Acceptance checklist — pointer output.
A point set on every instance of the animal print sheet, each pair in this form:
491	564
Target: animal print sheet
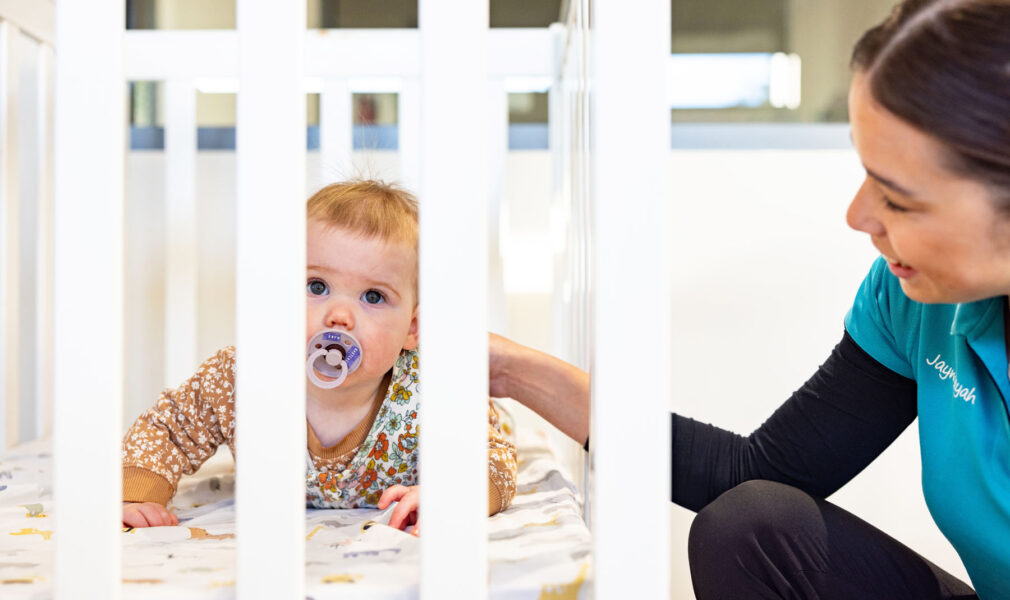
538	548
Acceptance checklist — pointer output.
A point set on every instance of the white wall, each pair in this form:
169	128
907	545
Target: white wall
765	271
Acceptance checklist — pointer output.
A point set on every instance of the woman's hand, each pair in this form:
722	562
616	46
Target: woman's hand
405	513
147	514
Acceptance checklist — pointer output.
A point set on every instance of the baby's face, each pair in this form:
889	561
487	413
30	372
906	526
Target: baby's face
364	286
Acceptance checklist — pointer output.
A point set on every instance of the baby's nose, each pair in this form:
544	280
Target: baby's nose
340	317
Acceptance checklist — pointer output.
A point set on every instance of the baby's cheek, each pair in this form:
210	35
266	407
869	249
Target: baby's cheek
312	324
388	354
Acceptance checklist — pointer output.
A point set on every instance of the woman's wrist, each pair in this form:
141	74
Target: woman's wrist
505	365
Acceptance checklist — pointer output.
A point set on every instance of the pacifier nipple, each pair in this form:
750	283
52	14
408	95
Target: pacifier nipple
334	357
333	354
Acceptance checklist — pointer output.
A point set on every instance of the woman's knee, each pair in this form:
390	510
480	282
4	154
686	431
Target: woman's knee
753	526
749	509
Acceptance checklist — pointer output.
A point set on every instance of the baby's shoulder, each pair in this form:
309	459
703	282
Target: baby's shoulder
221	365
405	371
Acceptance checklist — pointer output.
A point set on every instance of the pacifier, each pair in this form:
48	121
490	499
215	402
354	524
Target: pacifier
334	354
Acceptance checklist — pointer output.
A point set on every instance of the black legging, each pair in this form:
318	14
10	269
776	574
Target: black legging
757	539
763	539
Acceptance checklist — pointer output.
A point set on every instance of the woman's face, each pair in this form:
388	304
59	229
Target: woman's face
941	233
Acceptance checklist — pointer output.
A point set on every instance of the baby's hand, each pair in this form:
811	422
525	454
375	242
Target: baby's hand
405	513
147	514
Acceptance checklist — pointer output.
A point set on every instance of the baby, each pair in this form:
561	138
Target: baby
362	393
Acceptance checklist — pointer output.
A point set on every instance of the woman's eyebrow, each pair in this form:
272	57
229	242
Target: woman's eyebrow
894	186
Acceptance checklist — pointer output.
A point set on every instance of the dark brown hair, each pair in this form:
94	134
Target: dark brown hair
944	67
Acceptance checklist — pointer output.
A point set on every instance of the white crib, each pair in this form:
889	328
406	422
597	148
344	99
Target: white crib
607	204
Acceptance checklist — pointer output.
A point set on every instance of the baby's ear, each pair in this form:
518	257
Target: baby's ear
410	343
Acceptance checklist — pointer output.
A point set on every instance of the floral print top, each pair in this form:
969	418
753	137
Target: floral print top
387	457
187	424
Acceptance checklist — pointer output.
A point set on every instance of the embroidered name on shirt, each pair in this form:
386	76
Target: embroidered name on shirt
947	372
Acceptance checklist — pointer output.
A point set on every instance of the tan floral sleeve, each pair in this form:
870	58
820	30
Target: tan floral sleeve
501	464
181	431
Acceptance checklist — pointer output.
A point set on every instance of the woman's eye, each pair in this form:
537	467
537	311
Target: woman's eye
892	206
317	287
373	297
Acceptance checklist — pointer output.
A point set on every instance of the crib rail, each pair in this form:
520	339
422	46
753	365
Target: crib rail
600	214
453	294
608	206
568	106
26	37
88	297
270	302
631	335
10	367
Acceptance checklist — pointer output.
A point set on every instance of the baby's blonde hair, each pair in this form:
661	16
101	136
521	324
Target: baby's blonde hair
369	207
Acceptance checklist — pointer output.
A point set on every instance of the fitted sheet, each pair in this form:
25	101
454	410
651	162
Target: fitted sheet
538	548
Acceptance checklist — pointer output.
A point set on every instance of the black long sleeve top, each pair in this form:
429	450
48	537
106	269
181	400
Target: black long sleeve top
829	430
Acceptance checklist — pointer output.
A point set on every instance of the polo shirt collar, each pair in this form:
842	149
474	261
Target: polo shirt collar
972	319
981	324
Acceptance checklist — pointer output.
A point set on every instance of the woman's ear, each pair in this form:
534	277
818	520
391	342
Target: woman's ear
411	342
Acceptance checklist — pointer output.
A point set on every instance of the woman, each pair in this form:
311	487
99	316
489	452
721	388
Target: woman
928	335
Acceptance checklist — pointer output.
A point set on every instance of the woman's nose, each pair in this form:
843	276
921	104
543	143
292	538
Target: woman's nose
860	215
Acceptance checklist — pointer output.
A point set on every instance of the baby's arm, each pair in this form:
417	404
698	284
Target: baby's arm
174	437
501	465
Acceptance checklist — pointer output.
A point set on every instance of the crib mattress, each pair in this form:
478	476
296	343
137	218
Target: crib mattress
538	548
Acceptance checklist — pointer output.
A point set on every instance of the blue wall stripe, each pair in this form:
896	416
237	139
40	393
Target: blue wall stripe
215	138
522	136
760	136
147	138
529	136
535	136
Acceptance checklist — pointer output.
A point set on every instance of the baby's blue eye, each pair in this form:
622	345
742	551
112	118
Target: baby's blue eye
317	287
373	297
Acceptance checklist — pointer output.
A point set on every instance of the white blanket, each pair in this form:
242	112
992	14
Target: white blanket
538	548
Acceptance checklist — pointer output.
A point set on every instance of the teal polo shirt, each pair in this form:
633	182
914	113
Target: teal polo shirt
957	356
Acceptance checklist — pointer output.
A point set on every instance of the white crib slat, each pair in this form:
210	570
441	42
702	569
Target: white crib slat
559	120
408	127
632	349
497	115
335	130
88	292
10	255
270	399
181	271
453	280
44	244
